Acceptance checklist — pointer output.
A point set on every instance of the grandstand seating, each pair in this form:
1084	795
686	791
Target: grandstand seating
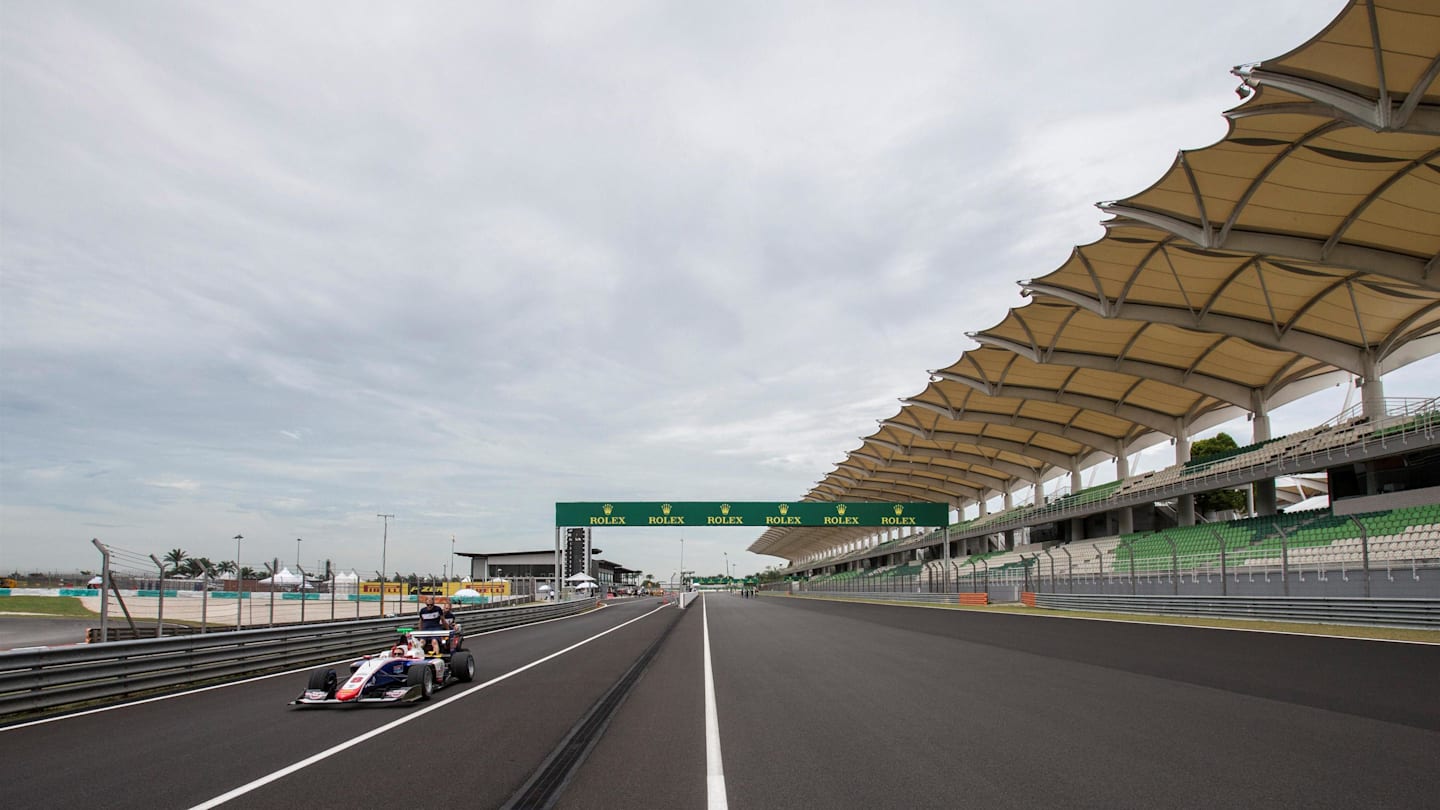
1253	541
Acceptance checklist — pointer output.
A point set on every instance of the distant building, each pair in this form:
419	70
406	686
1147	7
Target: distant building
541	566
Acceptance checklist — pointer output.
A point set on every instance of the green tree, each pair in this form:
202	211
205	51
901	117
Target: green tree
173	560
1221	499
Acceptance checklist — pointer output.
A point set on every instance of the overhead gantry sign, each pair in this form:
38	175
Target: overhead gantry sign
763	514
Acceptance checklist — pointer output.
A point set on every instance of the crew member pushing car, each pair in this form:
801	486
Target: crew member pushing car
432	617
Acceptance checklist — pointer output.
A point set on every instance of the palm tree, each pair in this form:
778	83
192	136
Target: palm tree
174	557
249	573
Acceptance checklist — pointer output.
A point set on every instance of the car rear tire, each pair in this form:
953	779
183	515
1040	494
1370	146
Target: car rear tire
463	665
324	679
423	676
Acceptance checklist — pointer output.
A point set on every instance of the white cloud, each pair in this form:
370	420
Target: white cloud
274	269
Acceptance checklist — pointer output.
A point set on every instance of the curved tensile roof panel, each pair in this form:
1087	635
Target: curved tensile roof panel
1301	248
1374	64
1304	186
1236	371
1148	404
1335	315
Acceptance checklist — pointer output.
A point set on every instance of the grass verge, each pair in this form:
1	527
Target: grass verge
65	606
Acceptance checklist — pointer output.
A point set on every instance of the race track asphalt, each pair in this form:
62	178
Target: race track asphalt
42	631
819	704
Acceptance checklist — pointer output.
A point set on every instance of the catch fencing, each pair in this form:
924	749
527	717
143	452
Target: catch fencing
139	594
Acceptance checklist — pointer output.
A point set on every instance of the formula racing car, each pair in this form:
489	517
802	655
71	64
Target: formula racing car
405	673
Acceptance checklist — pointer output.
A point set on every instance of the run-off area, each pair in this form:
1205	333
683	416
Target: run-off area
817	704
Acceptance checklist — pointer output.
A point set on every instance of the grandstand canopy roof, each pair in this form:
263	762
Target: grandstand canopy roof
1302	248
1337	316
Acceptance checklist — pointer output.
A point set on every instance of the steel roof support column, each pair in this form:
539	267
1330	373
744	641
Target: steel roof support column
1185	504
1125	517
1263	498
1372	389
945	577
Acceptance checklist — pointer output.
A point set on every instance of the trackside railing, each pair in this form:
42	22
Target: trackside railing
921	598
49	679
1422	613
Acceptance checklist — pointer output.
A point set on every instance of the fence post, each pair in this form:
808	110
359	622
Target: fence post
273	569
1174	564
302	591
205	600
1069	568
160	616
1364	552
1130	547
104	589
1052	570
1224	584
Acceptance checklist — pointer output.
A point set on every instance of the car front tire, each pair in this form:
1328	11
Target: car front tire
423	676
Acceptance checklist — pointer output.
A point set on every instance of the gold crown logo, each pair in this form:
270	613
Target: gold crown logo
840	507
724	508
665	508
784	508
899	509
608	508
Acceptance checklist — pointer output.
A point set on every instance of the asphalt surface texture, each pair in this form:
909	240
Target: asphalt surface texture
17	632
818	704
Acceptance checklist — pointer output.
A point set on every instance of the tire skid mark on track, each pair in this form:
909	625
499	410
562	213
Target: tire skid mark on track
418	713
544	788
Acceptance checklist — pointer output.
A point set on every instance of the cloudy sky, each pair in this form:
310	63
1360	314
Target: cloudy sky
274	268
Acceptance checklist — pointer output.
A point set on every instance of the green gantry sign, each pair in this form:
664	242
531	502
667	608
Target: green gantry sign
750	513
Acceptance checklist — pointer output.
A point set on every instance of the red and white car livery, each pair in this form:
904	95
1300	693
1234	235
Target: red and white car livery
404	673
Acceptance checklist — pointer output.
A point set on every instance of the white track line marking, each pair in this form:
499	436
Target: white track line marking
714	765
305	668
418	713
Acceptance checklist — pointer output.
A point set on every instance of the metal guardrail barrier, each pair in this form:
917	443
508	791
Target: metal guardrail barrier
1422	613
38	680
